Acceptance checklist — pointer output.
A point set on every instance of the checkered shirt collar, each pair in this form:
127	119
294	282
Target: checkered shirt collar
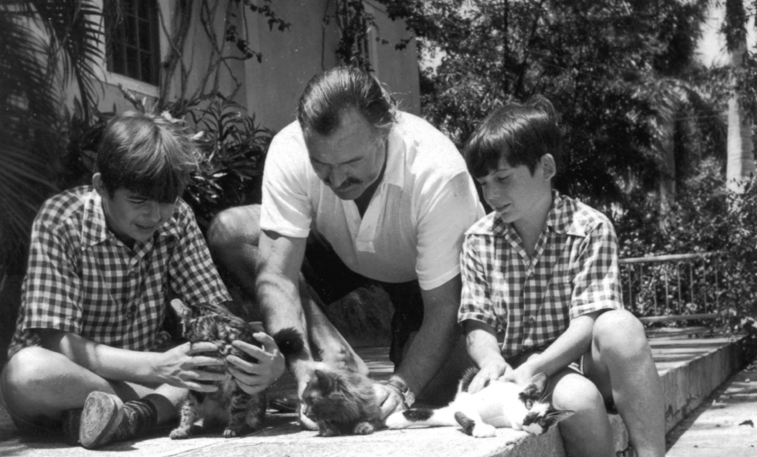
558	220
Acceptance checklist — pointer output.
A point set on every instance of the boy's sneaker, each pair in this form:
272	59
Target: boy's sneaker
106	419
70	424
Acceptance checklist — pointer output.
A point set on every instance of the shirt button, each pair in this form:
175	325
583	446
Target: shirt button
528	343
130	315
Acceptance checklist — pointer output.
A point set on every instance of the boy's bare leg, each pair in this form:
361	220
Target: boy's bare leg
586	433
38	383
622	367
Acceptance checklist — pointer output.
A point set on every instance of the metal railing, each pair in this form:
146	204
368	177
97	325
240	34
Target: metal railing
673	287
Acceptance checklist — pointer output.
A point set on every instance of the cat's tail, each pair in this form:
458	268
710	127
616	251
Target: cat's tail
289	341
421	417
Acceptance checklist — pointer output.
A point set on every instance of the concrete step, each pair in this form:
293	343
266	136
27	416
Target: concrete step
723	424
690	368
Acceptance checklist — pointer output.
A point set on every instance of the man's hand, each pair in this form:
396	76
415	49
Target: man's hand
489	372
256	377
390	399
182	367
303	371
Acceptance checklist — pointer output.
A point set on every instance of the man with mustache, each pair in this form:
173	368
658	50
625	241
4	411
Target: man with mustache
356	193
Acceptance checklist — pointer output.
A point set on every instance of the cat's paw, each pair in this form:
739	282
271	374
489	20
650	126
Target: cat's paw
327	429
233	432
395	421
363	428
482	430
180	433
326	432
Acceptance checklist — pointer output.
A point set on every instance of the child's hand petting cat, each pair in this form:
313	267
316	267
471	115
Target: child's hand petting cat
183	366
256	377
489	372
521	375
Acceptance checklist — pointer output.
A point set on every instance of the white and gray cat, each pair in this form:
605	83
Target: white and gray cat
499	404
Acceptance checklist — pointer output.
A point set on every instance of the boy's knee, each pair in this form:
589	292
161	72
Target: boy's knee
234	226
27	367
24	375
621	331
576	393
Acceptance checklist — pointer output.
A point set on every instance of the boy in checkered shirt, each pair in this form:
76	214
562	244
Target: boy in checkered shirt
86	354
542	268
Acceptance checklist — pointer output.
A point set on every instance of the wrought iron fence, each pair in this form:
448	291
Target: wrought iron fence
672	288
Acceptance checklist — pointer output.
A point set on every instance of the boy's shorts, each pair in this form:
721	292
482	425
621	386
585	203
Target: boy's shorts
577	366
518	359
332	280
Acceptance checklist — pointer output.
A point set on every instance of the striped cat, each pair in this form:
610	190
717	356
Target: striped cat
499	404
229	406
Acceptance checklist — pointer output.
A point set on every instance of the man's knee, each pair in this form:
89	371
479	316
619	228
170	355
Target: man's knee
234	226
620	332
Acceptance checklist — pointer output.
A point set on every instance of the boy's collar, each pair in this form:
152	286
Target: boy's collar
95	229
560	217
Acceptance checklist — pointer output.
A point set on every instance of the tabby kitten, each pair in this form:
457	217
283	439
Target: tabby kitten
499	404
240	412
342	402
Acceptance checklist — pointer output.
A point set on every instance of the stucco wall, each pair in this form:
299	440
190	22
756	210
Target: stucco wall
291	58
270	89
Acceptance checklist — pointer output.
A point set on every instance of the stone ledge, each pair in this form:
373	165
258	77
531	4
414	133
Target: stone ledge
690	368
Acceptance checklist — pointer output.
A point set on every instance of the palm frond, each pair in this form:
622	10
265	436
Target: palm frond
29	138
76	36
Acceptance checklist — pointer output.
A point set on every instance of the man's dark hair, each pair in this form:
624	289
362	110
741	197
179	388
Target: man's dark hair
146	154
519	133
329	94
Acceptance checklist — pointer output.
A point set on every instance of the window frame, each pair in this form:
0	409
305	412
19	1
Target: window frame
115	79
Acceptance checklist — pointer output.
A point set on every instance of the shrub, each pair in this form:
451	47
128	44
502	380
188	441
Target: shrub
705	218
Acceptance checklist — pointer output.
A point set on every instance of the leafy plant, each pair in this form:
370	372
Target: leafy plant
232	148
705	218
622	75
45	46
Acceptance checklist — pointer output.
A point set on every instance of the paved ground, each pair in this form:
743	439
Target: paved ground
723	425
283	437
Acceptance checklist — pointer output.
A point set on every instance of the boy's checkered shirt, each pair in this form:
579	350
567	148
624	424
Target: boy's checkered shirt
574	272
82	279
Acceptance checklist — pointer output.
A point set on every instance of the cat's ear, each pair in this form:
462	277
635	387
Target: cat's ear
536	387
182	310
324	380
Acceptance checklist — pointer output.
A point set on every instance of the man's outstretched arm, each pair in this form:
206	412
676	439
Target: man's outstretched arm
433	343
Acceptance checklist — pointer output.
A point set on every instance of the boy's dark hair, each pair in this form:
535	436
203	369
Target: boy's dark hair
329	94
519	133
146	154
